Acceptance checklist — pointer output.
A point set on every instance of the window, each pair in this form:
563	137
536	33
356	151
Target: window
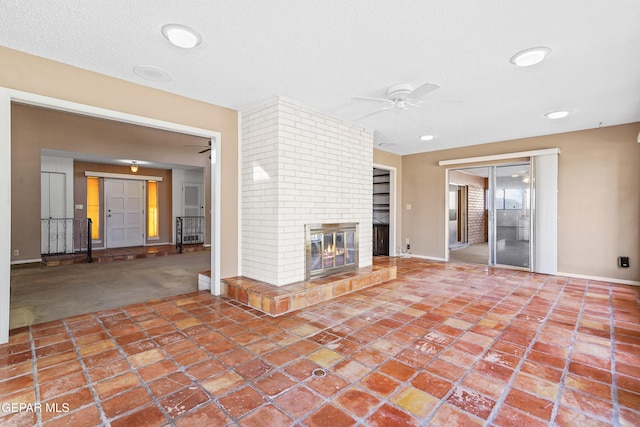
93	206
152	210
509	198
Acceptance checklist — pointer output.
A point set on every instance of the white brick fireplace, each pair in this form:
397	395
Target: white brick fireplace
300	167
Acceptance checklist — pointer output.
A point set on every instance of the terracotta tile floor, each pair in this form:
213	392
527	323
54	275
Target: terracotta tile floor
442	344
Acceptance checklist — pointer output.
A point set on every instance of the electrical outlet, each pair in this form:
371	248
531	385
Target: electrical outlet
408	246
623	261
407	241
16	252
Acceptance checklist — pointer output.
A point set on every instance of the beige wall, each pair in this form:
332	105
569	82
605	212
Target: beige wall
36	75
598	198
393	160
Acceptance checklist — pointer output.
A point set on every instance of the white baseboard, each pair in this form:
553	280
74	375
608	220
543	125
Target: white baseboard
428	257
600	279
26	261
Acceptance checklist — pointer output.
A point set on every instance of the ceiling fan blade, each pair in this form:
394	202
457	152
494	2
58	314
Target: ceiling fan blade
204	151
373	113
423	90
369	99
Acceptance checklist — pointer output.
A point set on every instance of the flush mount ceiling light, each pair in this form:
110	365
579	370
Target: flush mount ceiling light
426	137
134	166
154	74
181	36
560	114
530	57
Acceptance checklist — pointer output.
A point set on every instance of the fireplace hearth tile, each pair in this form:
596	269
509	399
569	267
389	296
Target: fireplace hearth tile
314	296
255	298
243	295
341	287
282	305
277	300
299	301
327	293
232	290
267	305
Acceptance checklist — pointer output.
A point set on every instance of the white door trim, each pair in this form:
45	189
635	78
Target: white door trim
11	95
123	176
506	156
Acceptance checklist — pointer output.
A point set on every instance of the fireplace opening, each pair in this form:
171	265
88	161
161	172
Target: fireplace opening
330	248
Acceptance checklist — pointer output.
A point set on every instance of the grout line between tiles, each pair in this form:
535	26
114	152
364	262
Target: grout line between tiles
614	379
510	385
132	369
85	372
34	367
565	370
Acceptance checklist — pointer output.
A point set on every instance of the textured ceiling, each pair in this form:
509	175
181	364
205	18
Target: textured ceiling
323	53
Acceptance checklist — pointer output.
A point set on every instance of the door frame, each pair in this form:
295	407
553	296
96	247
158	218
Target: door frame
7	96
545	234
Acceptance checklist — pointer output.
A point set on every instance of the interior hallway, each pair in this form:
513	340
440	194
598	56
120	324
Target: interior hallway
443	344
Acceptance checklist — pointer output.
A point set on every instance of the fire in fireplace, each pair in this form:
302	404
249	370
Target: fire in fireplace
330	248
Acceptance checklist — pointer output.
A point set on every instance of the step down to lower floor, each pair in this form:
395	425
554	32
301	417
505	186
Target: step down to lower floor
118	254
277	300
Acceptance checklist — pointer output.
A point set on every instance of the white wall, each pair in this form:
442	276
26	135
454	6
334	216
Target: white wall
300	167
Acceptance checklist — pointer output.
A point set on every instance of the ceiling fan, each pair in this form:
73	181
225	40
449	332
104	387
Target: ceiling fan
206	147
401	96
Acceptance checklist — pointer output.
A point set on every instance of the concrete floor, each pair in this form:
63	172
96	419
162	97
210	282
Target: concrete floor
513	253
42	294
474	254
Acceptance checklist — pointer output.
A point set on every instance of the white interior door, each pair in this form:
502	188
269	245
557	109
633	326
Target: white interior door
193	202
193	199
52	205
124	212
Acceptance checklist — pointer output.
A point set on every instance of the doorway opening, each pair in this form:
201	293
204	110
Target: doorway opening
382	209
490	215
468	215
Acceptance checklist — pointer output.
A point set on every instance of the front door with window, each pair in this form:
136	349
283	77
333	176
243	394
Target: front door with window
124	213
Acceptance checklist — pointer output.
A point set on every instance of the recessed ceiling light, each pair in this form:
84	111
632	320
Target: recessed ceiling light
181	36
152	73
530	57
560	114
426	137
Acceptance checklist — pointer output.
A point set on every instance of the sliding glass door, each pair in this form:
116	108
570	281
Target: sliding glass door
519	224
510	215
